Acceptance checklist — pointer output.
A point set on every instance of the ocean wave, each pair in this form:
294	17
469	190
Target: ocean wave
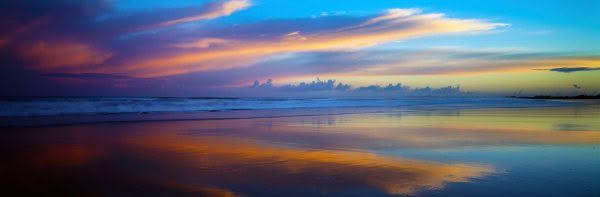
52	106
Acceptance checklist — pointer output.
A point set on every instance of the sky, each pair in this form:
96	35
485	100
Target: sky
215	48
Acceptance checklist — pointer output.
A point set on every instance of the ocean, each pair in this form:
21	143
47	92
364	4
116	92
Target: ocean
51	106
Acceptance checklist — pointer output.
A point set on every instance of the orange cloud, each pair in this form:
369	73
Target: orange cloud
396	24
203	43
52	55
220	10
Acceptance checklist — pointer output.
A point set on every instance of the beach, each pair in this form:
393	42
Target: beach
407	151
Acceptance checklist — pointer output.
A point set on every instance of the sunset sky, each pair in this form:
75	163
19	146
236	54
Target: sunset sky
206	48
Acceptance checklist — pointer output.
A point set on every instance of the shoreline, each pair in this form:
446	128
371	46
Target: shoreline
7	122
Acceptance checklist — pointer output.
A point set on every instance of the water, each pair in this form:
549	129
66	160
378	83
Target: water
50	106
439	150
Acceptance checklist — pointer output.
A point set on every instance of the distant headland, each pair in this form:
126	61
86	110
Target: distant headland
559	97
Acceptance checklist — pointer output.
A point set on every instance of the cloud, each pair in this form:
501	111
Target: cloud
94	37
83	36
398	62
203	43
333	88
571	69
570	127
355	33
56	55
393	14
85	76
329	85
215	10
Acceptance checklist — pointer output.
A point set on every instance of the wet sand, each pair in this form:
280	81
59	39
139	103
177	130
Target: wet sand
450	152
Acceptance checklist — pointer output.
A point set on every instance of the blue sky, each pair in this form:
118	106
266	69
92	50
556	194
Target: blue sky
542	24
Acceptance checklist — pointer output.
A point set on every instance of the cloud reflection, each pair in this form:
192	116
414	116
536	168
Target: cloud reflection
162	158
291	167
